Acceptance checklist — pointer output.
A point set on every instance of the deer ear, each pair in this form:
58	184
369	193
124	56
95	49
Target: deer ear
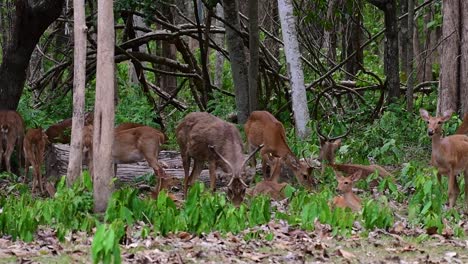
337	142
446	116
356	176
424	114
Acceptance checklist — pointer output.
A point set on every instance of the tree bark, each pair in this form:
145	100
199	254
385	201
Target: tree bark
463	87
103	135
254	39
29	22
354	41
409	60
219	61
391	57
404	38
293	59
449	80
237	56
79	82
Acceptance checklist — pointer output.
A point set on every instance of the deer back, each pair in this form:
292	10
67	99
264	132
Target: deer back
463	128
270	188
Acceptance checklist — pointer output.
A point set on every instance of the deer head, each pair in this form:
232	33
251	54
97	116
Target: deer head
434	124
328	146
236	187
345	184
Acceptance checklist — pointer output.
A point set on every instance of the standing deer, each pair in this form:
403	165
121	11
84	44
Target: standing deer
463	128
11	135
204	137
131	145
34	147
449	154
263	128
345	187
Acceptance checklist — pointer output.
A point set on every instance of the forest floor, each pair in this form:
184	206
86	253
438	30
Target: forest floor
275	242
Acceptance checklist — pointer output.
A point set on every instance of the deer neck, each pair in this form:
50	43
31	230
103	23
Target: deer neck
290	159
436	139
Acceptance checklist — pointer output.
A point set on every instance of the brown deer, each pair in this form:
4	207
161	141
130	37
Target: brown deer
34	145
449	154
270	188
463	128
131	145
347	199
204	137
129	125
11	135
60	132
263	128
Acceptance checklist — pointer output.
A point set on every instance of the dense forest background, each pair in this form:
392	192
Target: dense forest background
358	70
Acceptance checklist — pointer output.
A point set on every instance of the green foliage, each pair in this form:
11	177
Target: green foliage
105	247
377	214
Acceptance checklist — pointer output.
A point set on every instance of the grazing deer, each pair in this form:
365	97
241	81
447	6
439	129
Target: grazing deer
263	128
60	132
345	187
328	147
449	154
129	125
131	145
34	147
270	188
463	128
204	137
11	135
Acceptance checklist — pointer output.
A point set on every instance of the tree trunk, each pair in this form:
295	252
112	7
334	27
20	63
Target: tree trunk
409	60
293	59
237	56
329	38
449	59
354	41
79	81
30	20
463	87
404	38
391	57
219	61
254	54
103	135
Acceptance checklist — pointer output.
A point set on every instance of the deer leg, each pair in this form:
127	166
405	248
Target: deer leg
188	181
26	170
275	169
212	170
453	189
251	148
7	155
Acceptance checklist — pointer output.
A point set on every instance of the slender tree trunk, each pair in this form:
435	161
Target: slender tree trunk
329	37
449	63
219	61
391	57
354	35
207	93
237	56
296	75
30	20
404	38
254	53
103	136
79	81
409	67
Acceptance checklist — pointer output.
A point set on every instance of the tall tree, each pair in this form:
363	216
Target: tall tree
19	36
293	59
409	61
254	39
79	81
237	56
103	135
391	56
219	60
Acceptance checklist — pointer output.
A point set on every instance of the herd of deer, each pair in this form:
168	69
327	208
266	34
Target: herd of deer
203	137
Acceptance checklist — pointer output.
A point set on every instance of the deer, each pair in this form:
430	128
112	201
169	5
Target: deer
263	128
11	135
131	145
328	147
347	199
60	132
204	137
270	188
463	128
129	125
34	145
449	154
